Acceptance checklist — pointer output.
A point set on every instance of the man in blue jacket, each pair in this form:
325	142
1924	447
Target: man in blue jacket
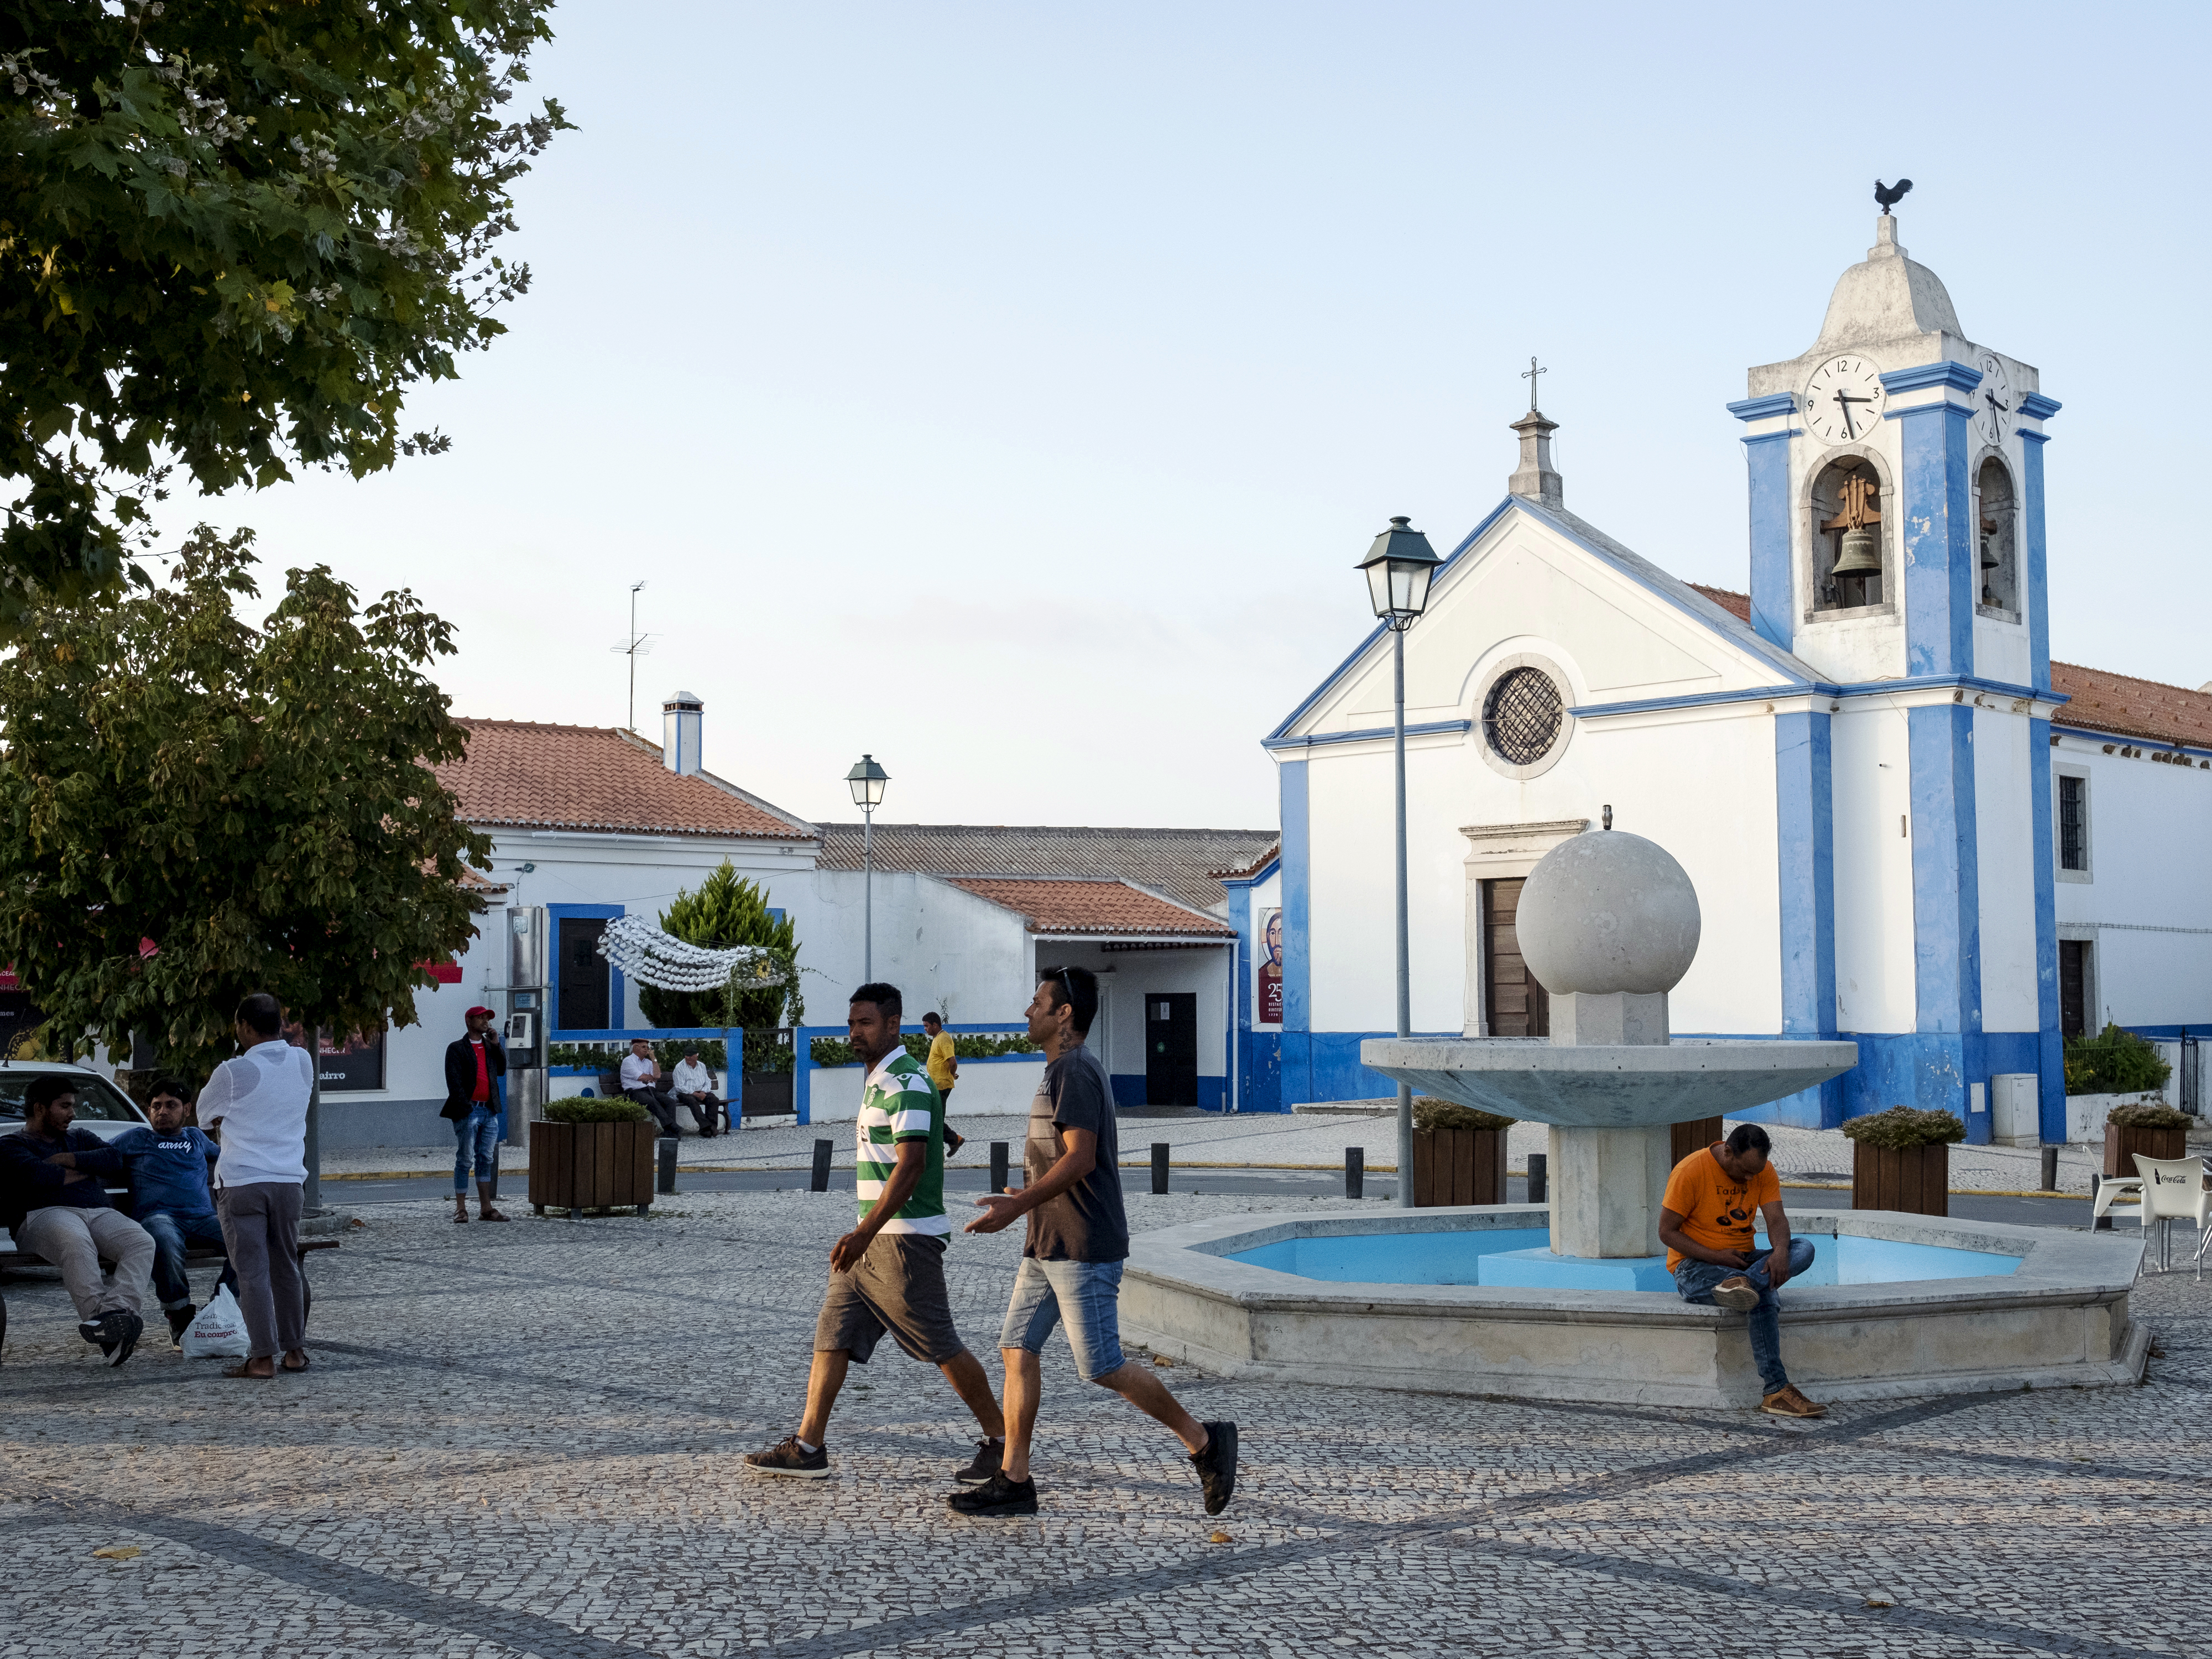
53	1199
172	1197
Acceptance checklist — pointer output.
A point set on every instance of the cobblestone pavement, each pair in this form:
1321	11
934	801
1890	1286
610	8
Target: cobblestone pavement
1807	1157
522	1439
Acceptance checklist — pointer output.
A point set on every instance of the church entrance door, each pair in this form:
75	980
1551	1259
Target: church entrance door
1514	1003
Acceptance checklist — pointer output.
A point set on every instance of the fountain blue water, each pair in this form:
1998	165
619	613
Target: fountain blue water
1522	1256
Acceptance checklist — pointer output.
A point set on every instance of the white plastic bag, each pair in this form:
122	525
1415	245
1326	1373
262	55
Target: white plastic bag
218	1330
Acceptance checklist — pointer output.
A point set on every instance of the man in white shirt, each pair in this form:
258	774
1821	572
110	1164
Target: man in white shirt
641	1081
694	1087
259	1102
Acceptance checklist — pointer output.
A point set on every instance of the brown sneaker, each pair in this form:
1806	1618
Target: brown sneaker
1786	1402
1739	1294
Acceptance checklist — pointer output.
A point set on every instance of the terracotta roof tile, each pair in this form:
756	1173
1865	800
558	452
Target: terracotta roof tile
1073	906
1736	604
1179	863
2130	707
523	774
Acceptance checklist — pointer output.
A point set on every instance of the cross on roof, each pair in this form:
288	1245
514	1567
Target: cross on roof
1531	378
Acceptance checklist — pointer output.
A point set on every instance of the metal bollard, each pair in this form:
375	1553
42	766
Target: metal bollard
1355	1172
1160	1151
998	1166
2104	1221
666	1183
1540	1177
2050	1168
820	1183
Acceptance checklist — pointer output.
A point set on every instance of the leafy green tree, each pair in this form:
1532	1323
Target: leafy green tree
726	912
234	232
257	805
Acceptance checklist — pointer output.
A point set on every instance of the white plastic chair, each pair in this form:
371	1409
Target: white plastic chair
2173	1187
2110	1190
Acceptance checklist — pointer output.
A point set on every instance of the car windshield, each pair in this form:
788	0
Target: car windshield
96	1098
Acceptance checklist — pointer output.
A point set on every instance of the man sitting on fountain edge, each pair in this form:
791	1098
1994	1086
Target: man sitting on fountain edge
1705	1223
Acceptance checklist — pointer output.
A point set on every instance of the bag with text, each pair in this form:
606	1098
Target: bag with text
218	1330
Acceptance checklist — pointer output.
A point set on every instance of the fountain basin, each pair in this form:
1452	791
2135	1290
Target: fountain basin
2059	1318
1523	1256
1603	1085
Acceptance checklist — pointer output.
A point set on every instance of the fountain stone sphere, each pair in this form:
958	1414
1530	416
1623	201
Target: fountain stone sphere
1609	912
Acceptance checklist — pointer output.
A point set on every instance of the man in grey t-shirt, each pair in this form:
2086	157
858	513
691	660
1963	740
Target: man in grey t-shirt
1071	1272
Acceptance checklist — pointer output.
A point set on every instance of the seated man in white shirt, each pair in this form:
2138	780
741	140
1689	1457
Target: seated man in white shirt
694	1087
641	1081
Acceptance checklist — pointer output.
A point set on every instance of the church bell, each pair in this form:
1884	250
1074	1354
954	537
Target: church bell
1861	553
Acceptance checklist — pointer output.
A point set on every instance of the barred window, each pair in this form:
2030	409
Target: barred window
1522	716
2072	823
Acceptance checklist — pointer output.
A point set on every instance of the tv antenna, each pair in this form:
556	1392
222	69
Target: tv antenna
637	645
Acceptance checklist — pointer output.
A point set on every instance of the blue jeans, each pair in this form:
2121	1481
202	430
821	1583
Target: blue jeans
1696	1281
1086	1296
478	1132
171	1235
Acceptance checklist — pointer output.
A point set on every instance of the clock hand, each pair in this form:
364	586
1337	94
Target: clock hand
1849	431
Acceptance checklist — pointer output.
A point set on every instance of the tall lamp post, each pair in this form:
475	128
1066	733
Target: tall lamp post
1399	566
866	779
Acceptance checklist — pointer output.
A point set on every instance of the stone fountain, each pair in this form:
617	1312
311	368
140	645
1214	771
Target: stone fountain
1470	1300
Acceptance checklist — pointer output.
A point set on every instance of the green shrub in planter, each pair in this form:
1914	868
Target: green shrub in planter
1901	1128
2148	1117
595	1109
1430	1112
2114	1062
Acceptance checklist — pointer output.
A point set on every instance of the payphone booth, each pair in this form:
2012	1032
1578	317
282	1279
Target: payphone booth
527	927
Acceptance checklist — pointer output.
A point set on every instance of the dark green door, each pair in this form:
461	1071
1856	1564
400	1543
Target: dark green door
1171	1048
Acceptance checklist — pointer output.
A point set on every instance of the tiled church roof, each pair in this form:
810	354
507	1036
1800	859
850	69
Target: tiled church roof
1080	907
525	775
1178	862
2101	701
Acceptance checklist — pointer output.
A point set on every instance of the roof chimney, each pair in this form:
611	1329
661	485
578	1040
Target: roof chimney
679	733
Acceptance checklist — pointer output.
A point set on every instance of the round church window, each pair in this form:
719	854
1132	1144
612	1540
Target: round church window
1521	717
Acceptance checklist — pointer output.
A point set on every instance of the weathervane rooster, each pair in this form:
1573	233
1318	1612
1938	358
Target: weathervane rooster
1890	195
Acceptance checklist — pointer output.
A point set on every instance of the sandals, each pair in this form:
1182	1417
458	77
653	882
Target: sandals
239	1370
491	1215
284	1365
461	1219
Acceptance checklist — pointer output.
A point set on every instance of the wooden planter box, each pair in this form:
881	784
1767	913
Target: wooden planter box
1458	1166
591	1166
1917	1180
2122	1145
1695	1137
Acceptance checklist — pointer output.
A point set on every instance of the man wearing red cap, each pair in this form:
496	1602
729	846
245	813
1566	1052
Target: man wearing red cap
472	1102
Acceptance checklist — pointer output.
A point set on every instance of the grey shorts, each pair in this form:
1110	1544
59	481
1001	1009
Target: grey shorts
898	1287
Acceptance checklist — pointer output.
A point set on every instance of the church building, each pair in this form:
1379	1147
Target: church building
1906	825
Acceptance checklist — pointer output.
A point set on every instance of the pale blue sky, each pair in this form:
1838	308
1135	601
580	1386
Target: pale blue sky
1009	390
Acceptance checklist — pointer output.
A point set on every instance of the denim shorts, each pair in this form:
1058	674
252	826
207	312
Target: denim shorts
1085	1295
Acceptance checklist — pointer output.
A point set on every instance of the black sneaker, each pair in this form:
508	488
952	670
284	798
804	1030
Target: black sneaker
180	1321
996	1496
787	1457
988	1453
1217	1466
119	1334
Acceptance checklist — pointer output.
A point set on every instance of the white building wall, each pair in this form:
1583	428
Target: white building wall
2004	841
1870	764
944	948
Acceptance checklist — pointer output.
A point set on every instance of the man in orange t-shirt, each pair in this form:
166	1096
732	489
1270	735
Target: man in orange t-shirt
1706	1222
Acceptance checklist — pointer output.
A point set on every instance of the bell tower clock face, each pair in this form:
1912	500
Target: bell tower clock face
1843	400
1993	401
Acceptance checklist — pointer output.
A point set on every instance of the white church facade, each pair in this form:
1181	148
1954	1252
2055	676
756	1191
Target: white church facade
1904	828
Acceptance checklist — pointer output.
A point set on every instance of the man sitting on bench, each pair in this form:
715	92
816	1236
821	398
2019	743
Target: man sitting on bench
173	1197
53	1200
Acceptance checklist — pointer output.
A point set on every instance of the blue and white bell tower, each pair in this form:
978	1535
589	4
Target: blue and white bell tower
1897	550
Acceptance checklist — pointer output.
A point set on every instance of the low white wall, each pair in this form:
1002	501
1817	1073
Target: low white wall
2086	1114
988	1087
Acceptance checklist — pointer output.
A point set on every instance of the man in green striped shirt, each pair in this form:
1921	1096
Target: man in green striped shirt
888	1273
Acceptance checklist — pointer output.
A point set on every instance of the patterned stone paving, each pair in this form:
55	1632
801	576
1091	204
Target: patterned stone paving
522	1439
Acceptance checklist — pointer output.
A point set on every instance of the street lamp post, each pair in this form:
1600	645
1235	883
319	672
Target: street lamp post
1399	568
866	781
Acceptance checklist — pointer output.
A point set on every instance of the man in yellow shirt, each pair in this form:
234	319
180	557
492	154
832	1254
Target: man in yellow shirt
1706	1221
944	1068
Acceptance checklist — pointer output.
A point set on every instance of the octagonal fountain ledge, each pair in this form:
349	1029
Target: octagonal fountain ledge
1608	923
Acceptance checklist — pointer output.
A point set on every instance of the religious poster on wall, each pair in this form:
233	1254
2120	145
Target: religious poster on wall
1268	1009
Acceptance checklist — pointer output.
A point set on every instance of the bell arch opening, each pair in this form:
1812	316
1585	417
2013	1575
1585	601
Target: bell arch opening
1850	537
1997	515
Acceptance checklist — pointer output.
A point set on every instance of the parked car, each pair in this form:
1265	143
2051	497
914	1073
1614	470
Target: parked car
100	1106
